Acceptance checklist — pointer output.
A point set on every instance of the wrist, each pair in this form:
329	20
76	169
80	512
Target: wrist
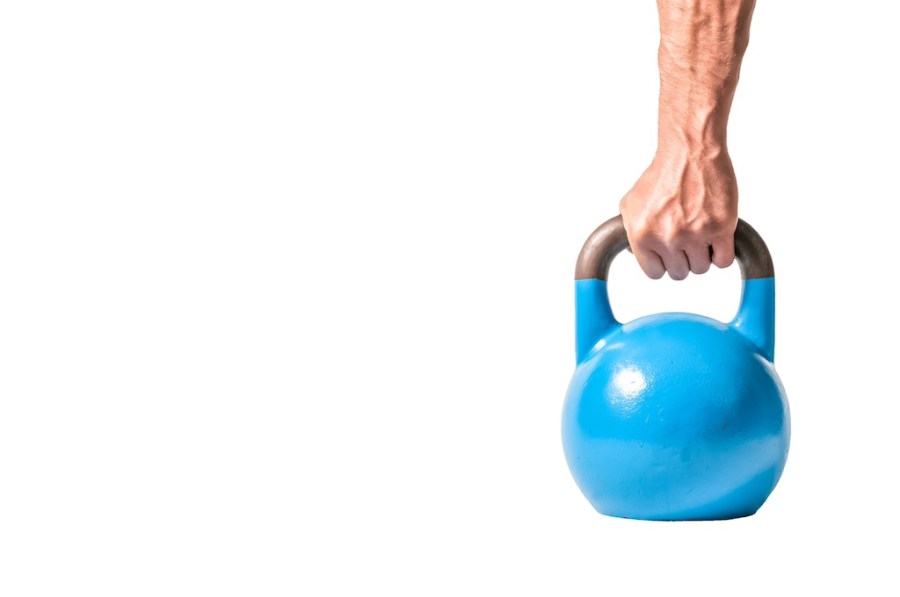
697	125
680	147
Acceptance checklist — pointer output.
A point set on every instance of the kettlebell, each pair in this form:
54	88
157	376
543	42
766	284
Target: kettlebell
675	416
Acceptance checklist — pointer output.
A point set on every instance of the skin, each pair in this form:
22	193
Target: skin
681	214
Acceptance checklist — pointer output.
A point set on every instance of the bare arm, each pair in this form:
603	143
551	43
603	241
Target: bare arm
682	212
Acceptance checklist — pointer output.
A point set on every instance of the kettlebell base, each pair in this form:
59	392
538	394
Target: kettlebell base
666	519
697	515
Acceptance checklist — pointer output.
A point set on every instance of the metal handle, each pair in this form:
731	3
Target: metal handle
609	239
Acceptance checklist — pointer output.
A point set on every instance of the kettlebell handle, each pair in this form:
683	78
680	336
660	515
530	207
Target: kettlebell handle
609	239
594	317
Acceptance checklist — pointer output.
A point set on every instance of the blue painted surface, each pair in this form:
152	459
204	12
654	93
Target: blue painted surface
676	416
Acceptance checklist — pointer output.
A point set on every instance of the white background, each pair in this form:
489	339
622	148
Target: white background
286	296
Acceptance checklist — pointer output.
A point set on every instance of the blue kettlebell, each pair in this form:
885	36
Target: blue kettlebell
675	416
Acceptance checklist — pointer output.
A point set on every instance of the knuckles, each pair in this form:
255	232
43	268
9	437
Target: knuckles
656	238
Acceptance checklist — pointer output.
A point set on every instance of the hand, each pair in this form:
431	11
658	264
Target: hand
681	214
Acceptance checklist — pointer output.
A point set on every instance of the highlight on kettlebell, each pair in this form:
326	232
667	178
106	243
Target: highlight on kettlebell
675	416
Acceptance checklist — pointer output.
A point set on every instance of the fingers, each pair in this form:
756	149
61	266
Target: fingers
657	258
650	262
676	262
723	251
699	258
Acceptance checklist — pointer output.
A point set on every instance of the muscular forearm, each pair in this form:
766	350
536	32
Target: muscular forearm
702	43
681	214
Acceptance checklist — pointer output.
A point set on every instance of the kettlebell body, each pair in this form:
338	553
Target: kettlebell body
675	416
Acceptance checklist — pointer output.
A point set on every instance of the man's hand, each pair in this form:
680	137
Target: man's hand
681	214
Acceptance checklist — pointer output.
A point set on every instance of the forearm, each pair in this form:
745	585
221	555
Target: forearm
681	214
702	43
